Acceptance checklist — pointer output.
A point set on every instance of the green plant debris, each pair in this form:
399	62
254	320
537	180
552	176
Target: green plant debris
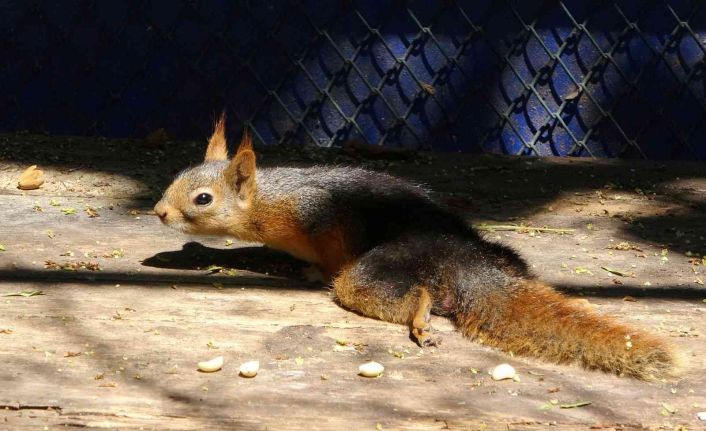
616	272
2	247
229	242
214	268
575	405
669	409
26	293
582	270
72	266
115	254
54	203
520	228
68	211
396	354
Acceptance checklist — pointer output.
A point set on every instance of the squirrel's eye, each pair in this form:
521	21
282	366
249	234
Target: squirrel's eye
203	199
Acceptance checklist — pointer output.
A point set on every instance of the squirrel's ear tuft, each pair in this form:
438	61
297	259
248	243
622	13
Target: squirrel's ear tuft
217	146
240	174
245	141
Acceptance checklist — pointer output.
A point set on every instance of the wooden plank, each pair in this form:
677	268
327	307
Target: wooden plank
146	319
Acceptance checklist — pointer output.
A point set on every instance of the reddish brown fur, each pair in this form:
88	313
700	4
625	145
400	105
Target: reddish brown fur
419	320
332	250
245	142
538	321
217	148
280	229
351	294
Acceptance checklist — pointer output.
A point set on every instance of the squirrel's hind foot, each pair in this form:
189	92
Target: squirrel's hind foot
420	328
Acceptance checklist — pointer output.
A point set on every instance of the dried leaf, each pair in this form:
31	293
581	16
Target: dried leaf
573	94
31	179
428	88
625	246
92	213
157	137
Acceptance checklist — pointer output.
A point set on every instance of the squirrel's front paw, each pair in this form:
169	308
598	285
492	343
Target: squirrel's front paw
313	274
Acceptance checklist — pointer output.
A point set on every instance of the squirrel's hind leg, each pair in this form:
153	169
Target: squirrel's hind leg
408	304
420	328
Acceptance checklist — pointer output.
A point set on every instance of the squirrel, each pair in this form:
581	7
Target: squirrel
393	253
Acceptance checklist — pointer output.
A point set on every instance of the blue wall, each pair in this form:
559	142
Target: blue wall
580	78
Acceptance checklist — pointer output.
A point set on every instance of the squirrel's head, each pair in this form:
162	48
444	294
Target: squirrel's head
215	197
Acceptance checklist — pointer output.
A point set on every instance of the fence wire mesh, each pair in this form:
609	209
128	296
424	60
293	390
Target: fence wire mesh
565	78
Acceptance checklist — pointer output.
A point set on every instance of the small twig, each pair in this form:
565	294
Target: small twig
496	227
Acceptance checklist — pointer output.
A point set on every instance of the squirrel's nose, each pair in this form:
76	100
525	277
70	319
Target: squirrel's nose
161	210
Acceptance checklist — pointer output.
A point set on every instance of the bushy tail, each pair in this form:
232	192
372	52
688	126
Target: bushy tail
535	320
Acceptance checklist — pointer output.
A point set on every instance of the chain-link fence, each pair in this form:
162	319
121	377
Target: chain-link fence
580	78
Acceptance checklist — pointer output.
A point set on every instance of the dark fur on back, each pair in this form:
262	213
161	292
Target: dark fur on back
377	208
